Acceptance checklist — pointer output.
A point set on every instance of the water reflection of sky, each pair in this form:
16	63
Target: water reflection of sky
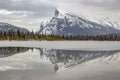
22	58
30	58
49	61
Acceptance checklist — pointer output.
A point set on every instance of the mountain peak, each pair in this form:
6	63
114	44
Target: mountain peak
56	12
59	13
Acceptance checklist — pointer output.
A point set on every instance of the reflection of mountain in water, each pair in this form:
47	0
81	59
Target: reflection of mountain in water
61	58
8	51
70	58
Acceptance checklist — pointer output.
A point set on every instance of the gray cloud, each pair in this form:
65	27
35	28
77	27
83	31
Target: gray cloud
38	9
103	4
24	5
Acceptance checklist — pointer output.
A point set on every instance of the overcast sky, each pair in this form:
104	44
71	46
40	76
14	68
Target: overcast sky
29	13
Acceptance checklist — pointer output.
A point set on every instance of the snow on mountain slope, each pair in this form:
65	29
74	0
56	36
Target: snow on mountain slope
71	24
105	21
6	27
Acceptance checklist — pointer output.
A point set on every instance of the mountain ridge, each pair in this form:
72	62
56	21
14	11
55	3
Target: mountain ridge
71	24
5	27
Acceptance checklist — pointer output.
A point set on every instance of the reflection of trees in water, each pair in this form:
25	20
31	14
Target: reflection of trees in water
8	51
60	58
70	58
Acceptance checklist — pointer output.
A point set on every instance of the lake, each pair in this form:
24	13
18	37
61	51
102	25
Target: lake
29	63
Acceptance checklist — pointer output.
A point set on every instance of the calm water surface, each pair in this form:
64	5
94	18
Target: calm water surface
20	63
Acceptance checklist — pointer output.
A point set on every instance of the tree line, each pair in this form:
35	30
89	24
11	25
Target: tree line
19	35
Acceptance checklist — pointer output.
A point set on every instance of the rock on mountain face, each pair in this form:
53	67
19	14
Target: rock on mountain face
6	27
70	24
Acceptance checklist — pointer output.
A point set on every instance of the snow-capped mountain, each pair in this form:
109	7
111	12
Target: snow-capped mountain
6	27
71	24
